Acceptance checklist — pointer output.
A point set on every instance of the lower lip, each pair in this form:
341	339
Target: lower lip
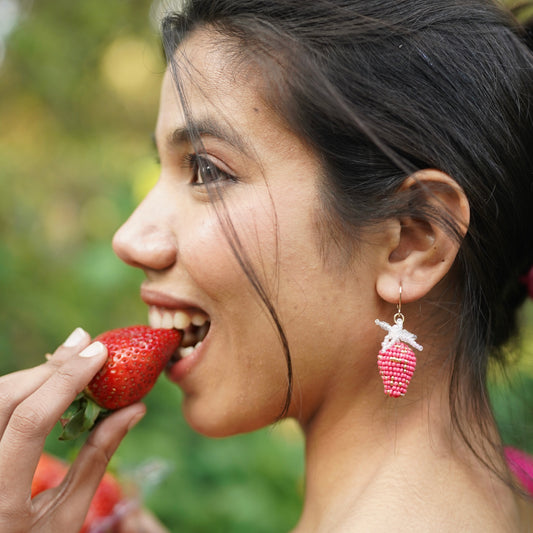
182	368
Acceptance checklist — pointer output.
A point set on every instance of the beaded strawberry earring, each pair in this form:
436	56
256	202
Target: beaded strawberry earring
396	360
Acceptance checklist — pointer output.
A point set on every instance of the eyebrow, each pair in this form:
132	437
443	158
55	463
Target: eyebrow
207	127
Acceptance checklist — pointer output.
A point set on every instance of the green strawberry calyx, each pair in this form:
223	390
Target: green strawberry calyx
82	414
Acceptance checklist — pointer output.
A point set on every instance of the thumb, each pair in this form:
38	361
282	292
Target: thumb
89	467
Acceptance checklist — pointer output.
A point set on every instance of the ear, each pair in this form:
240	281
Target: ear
421	252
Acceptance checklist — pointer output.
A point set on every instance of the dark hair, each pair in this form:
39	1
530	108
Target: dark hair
382	88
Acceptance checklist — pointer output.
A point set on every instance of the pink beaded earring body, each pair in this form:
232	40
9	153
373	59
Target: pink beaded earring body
396	359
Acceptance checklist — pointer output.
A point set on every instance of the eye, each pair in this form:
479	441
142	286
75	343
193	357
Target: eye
204	171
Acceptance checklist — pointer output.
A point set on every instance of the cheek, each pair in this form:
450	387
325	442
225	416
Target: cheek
205	252
244	378
215	244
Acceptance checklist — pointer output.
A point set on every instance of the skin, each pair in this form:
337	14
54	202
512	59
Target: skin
175	235
361	447
32	402
372	463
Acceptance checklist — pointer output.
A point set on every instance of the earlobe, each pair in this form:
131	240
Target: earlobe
424	249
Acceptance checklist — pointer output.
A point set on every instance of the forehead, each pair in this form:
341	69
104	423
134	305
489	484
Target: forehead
224	94
212	83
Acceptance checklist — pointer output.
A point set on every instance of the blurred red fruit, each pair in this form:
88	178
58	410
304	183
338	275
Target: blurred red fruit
102	512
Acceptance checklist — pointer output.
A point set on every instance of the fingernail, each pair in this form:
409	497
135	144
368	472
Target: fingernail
75	338
93	349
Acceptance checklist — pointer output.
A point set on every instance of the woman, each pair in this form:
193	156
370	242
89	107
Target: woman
335	175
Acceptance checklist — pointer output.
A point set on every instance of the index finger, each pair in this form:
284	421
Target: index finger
34	418
17	386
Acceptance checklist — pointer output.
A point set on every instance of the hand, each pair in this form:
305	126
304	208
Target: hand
31	402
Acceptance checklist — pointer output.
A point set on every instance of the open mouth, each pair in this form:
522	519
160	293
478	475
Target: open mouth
193	323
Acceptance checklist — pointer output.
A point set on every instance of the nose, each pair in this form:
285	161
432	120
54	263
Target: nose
146	239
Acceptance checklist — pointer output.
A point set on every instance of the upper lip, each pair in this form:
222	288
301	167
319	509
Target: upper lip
165	300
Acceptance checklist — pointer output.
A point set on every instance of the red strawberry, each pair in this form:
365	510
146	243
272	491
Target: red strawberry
51	471
136	357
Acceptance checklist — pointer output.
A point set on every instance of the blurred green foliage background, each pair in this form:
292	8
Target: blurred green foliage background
79	87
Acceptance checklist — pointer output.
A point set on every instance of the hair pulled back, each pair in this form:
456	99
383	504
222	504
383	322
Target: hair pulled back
383	88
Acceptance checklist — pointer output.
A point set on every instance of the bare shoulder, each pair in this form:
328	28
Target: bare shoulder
449	502
417	517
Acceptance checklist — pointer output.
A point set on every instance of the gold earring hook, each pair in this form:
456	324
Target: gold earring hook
399	316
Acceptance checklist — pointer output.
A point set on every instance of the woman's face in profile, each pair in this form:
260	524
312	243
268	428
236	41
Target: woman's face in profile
265	201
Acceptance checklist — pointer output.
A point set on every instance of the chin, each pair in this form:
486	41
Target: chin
219	421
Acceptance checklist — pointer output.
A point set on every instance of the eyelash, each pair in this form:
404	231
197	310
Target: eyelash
200	166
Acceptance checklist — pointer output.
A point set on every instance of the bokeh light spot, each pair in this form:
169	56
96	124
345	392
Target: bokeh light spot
61	222
132	68
145	177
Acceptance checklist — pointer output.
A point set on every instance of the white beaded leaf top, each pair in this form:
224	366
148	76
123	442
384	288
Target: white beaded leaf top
396	333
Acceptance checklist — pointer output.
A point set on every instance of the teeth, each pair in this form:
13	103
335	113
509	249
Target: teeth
167	322
159	318
181	320
185	352
154	317
198	320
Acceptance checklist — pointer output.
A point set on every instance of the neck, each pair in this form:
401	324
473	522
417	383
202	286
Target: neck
376	449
